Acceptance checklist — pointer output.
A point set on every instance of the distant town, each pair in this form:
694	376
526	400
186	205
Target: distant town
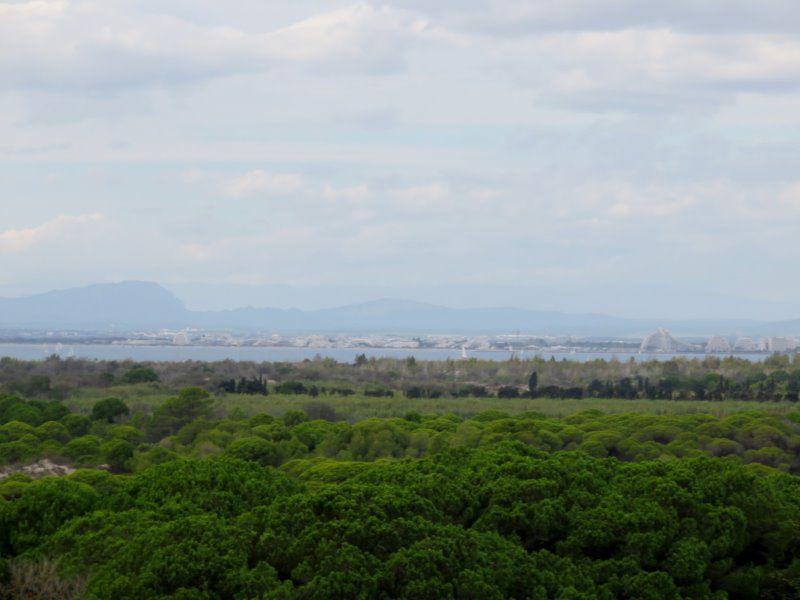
659	342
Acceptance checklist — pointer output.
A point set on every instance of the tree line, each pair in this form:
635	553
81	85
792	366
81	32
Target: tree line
775	379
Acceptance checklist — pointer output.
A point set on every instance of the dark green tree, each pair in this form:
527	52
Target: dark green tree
190	404
140	374
109	410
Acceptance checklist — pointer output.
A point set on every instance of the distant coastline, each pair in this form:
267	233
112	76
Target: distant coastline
170	353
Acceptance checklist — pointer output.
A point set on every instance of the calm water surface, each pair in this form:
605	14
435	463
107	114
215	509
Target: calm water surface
214	353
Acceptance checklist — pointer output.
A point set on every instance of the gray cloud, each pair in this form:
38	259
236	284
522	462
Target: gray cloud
521	17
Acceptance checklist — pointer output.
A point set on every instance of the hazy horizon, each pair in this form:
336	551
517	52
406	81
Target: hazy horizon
221	297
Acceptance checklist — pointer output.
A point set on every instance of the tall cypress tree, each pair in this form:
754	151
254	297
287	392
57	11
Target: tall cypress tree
533	381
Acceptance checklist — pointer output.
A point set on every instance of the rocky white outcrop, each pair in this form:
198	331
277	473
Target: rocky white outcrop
41	468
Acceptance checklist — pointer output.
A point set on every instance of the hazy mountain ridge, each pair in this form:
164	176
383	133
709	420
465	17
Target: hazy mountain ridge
116	305
146	305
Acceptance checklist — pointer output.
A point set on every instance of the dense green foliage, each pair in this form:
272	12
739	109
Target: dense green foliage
189	500
139	374
189	425
469	523
109	409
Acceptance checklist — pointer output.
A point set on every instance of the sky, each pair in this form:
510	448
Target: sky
618	156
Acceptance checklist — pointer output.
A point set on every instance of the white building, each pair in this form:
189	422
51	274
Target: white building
745	344
781	344
718	344
181	338
660	341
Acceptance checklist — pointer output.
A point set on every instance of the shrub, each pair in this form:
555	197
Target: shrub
84	450
507	392
294	417
291	387
41	579
109	410
254	449
378	391
140	374
320	411
117	454
77	425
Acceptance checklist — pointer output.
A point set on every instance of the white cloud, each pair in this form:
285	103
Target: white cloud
90	43
623	200
268	249
14	241
650	68
361	33
431	198
197	252
426	198
39	13
261	182
353	195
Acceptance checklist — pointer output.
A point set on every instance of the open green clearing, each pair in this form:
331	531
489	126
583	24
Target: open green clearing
357	407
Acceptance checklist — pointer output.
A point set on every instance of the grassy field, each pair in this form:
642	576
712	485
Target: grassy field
358	407
355	408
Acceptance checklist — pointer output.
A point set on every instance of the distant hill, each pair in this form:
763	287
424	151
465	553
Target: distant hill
120	306
143	305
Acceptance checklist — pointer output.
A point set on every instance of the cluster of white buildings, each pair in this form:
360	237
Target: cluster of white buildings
662	341
720	344
771	344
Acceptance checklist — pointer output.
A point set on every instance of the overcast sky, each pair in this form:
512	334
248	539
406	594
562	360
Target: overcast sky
617	156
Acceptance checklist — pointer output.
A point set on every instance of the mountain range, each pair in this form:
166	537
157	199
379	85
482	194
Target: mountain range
137	305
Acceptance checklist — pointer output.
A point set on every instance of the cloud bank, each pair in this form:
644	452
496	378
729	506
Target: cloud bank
570	145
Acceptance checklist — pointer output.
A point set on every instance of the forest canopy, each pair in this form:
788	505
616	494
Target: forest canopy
182	497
